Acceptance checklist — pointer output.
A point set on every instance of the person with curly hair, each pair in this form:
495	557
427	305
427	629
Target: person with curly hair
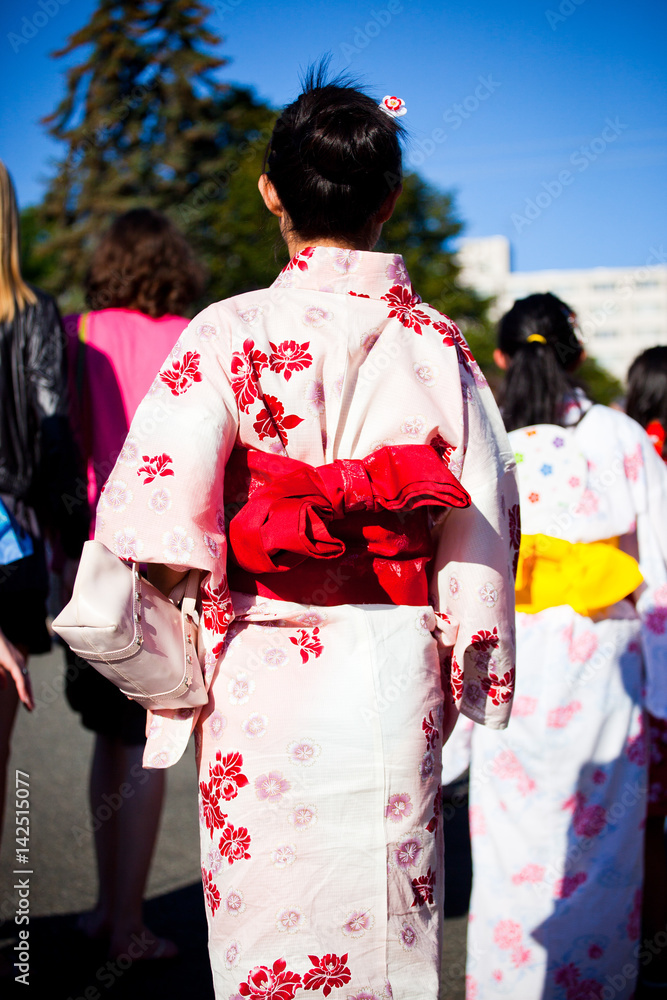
141	278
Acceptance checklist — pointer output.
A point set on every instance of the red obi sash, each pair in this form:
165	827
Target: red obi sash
367	518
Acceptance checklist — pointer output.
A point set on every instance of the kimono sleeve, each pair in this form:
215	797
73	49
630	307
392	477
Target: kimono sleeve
652	544
473	575
163	502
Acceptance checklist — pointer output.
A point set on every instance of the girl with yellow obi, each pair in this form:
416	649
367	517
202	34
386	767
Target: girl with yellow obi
558	801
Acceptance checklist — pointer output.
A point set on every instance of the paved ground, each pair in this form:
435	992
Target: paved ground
54	750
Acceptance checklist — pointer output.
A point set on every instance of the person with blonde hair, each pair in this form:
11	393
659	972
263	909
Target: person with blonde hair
38	465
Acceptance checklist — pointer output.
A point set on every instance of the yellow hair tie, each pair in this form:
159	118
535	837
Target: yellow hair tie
536	338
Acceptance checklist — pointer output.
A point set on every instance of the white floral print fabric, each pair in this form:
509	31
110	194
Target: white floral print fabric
557	802
319	749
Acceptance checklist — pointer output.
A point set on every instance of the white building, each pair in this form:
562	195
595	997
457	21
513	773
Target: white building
621	310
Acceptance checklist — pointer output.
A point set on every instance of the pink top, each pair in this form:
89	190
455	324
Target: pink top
124	350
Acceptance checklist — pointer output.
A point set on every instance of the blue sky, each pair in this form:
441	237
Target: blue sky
502	100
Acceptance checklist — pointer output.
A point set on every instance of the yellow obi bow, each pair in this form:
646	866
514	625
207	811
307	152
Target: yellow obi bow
589	576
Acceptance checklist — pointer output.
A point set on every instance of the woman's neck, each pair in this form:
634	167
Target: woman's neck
296	243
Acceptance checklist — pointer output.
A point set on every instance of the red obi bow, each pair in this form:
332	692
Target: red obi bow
286	521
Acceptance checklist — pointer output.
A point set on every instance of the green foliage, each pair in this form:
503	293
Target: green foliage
146	121
37	264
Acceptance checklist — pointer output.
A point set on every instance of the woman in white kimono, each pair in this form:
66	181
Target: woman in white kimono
339	414
557	804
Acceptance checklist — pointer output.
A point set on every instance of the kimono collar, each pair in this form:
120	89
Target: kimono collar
356	272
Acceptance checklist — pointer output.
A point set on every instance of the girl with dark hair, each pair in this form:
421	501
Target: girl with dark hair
141	279
538	347
647	395
334	457
647	404
557	833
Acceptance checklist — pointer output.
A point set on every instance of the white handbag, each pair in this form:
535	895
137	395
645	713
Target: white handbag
132	634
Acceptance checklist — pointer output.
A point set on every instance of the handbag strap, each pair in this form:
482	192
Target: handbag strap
185	594
188	605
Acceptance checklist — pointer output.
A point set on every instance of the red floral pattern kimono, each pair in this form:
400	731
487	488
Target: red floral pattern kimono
319	749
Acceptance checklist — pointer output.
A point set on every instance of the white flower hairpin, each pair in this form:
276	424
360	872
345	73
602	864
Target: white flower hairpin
393	106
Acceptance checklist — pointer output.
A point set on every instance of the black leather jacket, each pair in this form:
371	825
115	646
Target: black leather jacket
39	463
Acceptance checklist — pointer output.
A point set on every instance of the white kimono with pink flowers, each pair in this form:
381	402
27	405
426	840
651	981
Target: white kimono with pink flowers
319	749
557	801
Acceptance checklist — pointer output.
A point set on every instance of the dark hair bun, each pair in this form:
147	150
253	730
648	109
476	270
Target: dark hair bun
539	321
334	156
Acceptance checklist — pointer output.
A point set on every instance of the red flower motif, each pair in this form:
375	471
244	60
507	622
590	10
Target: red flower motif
452	337
567	976
499	689
656	621
226	774
587	820
484	641
211	893
515	525
328	973
271	421
422	888
156	466
533	497
234	843
562	715
290	357
245	370
443	449
309	643
300	260
215	616
216	608
403	305
214	818
632	463
180	377
456	679
271	984
430	731
567	885
432	824
359	295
